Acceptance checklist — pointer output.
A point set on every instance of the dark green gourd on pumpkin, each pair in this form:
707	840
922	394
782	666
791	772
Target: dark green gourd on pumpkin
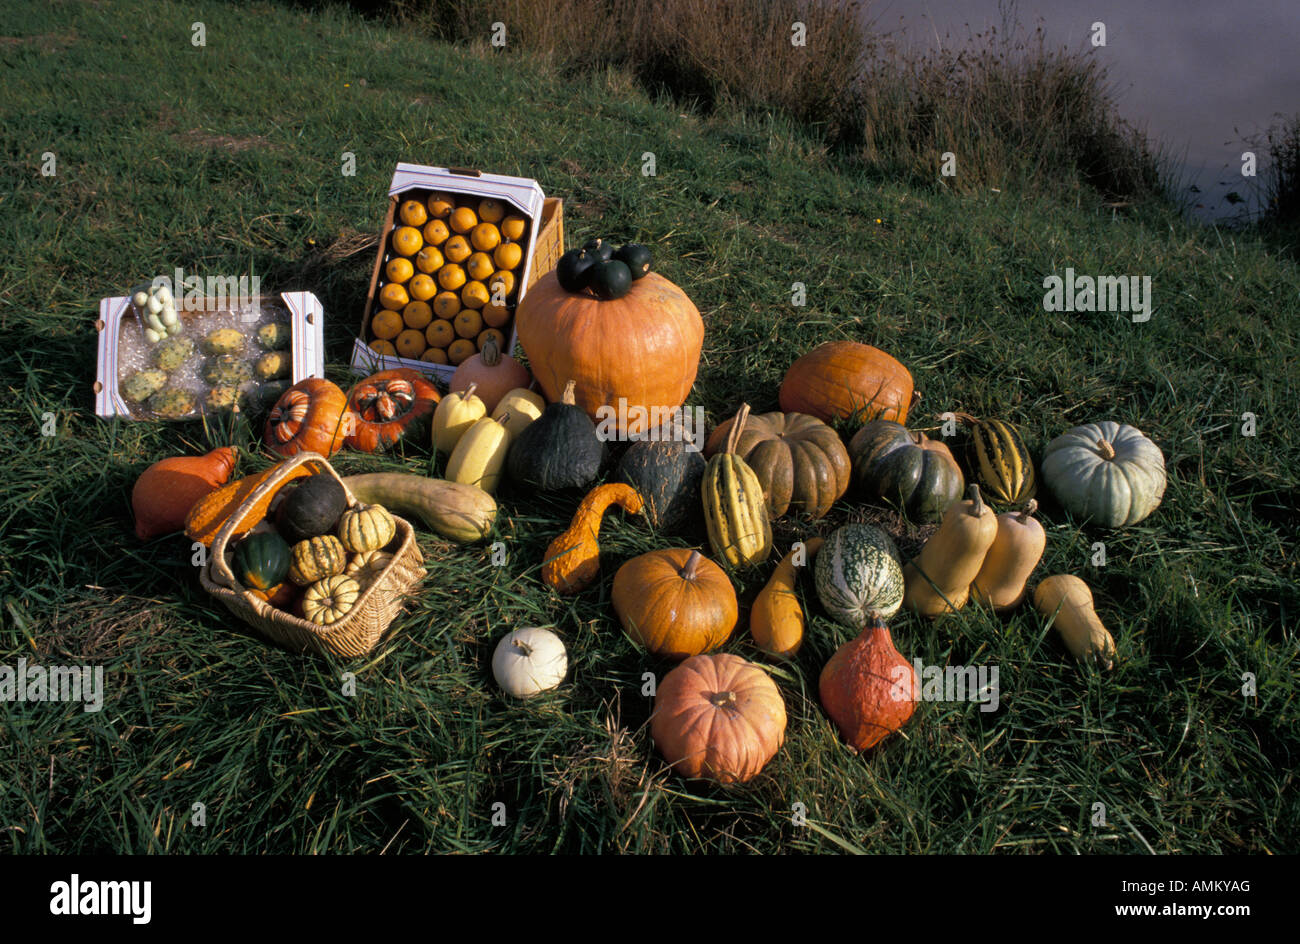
560	449
312	508
667	474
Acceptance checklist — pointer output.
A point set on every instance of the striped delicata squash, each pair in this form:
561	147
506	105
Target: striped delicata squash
999	461
735	511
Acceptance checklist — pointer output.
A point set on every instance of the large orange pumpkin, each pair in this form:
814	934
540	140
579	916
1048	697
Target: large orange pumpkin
675	602
867	688
643	348
311	416
845	379
718	717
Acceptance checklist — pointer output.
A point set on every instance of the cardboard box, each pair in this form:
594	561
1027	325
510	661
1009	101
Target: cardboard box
544	244
307	346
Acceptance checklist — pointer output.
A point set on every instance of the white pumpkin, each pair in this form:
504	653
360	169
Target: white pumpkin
529	661
1105	471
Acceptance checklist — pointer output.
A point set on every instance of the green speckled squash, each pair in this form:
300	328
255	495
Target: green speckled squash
858	571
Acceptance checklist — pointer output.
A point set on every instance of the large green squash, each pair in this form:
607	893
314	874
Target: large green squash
560	449
667	474
261	560
858	571
907	470
799	460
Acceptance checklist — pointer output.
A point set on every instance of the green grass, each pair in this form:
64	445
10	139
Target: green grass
199	710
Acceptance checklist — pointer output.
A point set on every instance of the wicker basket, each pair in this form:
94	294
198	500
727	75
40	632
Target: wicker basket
355	634
549	245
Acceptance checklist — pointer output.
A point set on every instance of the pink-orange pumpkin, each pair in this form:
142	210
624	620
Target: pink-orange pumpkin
495	373
718	717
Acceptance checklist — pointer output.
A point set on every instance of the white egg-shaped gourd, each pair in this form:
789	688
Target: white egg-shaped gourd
529	661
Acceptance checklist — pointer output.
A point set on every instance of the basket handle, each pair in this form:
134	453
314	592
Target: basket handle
218	570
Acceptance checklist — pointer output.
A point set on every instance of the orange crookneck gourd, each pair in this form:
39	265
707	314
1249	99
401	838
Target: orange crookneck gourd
573	559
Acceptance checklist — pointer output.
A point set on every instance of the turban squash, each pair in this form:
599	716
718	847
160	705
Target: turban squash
311	416
388	407
642	349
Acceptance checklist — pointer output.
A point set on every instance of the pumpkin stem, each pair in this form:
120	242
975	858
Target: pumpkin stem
522	646
468	392
876	620
737	427
1106	449
567	396
491	353
916	398
966	418
723	699
692	563
1029	509
978	502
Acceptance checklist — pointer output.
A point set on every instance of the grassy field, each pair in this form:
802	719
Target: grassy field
226	159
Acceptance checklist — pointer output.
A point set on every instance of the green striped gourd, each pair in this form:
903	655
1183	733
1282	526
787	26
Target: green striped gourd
999	461
735	511
858	571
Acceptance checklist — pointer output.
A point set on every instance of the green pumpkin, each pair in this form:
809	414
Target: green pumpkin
858	571
312	508
560	449
907	470
667	474
262	561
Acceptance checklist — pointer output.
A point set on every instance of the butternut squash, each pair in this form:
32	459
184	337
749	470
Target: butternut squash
776	620
480	454
453	417
1067	601
462	513
573	559
938	580
1015	553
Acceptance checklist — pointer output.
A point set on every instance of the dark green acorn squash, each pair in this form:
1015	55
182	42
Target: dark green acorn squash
599	249
610	280
311	509
262	560
573	271
559	449
636	257
667	474
910	471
